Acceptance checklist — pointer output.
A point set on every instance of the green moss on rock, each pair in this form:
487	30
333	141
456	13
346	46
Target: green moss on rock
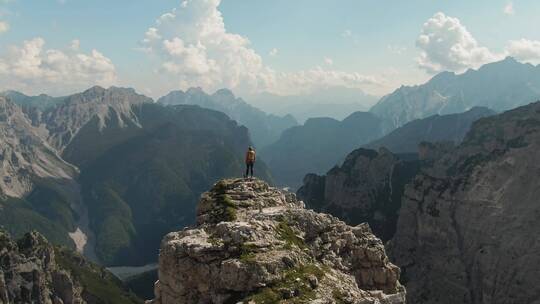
287	234
295	286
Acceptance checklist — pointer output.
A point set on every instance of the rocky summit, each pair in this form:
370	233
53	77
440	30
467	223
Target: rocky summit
257	244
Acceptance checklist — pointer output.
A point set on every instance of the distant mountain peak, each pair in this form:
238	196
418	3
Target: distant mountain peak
94	89
264	128
500	86
443	76
195	91
225	92
510	59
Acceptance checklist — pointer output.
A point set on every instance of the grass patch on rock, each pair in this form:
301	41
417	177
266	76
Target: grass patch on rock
228	207
297	285
286	233
248	252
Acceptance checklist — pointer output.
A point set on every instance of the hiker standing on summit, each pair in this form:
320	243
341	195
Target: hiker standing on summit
250	161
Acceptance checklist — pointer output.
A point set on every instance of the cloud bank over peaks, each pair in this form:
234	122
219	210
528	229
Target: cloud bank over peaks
33	69
194	47
447	45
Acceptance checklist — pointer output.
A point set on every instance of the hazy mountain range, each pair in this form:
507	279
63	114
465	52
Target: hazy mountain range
264	128
317	145
499	86
437	128
322	143
333	102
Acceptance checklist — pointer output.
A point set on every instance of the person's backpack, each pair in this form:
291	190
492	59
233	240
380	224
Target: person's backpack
250	156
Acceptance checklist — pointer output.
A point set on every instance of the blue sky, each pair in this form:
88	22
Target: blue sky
368	44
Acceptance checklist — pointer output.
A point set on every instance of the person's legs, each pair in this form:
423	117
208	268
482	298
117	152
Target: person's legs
247	170
251	166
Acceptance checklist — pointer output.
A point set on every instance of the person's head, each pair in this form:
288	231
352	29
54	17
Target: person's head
250	148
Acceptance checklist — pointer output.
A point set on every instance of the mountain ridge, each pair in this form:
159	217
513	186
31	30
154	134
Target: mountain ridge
317	145
436	128
265	128
499	86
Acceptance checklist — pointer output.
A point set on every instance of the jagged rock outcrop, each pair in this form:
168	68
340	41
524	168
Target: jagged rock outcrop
366	188
33	271
468	226
257	244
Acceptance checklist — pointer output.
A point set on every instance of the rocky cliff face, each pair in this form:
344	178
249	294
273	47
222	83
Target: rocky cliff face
32	271
66	119
24	155
257	244
468	226
366	188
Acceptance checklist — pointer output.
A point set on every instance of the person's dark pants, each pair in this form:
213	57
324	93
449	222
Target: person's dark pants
249	168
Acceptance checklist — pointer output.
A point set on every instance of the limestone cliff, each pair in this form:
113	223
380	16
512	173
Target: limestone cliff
24	155
468	226
257	244
65	120
367	188
33	271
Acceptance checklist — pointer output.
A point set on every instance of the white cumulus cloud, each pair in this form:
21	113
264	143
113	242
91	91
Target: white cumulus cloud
273	52
524	49
446	44
33	68
196	49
